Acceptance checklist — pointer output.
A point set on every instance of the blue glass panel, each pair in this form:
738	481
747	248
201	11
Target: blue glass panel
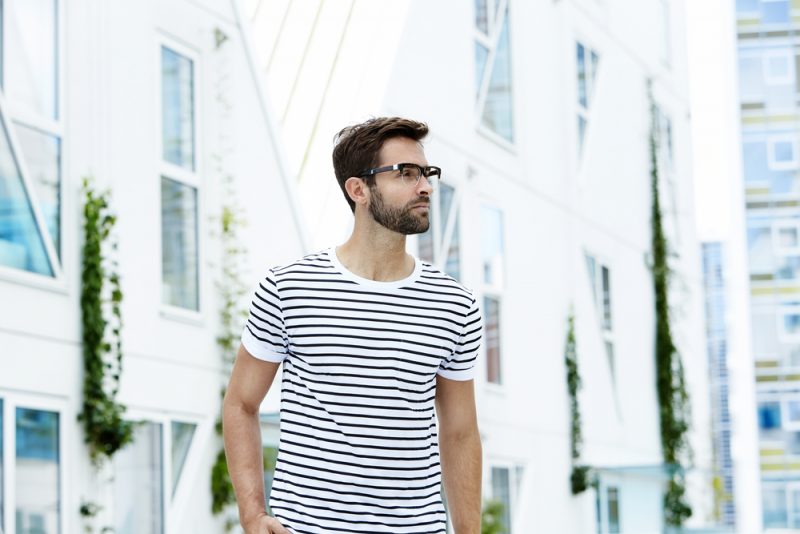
481	53
482	15
746	6
138	484
501	491
774	507
21	243
497	113
754	154
31	69
775	12
179	241
583	98
492	244
42	153
182	434
769	415
177	108
36	481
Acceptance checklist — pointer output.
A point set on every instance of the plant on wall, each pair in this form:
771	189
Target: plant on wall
673	398
230	287
580	475
105	429
492	518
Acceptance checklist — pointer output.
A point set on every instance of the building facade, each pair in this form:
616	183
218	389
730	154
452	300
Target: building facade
540	120
768	87
156	102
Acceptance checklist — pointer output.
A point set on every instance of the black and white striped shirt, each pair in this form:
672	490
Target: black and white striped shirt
358	441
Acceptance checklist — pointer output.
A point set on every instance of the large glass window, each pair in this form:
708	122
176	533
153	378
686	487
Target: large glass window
22	244
36	480
441	207
769	415
270	435
773	500
586	63
179	244
180	259
775	11
29	71
177	108
182	434
138	486
491	307
493	67
612	496
501	492
30	58
492	237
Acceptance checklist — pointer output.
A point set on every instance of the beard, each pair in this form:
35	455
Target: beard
401	220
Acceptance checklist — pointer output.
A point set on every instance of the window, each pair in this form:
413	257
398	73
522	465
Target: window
270	434
751	77
37	472
501	492
180	254
612	502
782	152
30	82
442	235
774	507
600	284
586	65
775	12
491	305
138	483
493	67
791	323
769	415
779	66
182	434
664	138
492	237
786	236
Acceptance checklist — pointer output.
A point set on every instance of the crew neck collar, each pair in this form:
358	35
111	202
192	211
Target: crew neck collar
331	252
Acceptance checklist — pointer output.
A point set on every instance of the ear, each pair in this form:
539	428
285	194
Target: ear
357	190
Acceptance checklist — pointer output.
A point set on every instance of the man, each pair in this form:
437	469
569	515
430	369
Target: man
371	339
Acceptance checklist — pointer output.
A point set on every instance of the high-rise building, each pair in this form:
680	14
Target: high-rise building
769	90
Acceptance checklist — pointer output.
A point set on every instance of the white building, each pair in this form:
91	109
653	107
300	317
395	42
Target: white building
145	97
539	118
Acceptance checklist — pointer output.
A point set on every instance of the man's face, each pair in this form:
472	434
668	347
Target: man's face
392	201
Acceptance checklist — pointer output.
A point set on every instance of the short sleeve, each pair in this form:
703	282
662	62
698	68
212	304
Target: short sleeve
264	333
460	365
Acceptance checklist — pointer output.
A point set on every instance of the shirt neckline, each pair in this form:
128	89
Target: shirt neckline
331	253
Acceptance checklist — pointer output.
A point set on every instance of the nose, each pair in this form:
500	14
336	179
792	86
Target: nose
424	185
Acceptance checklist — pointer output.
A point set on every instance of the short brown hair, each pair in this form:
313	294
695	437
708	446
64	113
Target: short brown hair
356	147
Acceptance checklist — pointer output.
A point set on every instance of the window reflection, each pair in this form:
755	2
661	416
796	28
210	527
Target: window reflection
138	489
36	480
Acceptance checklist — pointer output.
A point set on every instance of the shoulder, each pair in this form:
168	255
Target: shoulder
310	263
432	276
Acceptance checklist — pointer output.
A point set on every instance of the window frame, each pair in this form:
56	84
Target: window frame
174	506
516	473
12	113
772	163
783	335
490	41
784	224
12	401
771	53
181	175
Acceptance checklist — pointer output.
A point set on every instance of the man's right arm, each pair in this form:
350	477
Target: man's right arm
250	381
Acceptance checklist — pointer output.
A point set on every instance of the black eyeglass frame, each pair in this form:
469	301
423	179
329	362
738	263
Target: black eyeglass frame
427	172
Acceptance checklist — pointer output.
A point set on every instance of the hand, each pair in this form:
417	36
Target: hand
264	524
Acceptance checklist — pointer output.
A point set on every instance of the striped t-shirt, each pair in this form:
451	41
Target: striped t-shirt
358	441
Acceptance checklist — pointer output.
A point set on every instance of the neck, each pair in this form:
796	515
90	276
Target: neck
376	254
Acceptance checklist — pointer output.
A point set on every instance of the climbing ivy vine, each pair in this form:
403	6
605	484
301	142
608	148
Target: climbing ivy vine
580	475
673	398
105	429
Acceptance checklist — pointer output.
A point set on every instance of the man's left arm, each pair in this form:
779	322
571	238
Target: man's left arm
460	449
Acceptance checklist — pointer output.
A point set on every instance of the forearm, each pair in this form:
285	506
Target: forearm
461	459
242	436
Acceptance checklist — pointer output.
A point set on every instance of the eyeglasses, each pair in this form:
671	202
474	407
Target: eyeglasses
409	172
